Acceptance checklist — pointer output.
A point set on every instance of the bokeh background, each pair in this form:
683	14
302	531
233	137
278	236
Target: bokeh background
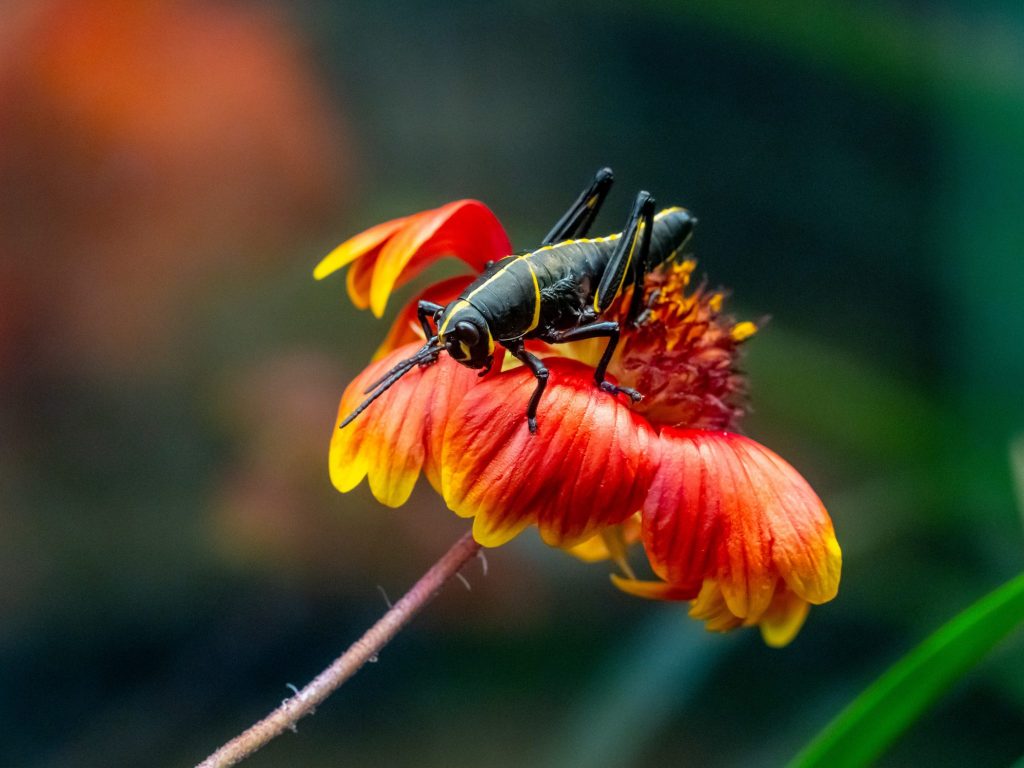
171	551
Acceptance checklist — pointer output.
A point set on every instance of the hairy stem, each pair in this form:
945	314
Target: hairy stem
305	701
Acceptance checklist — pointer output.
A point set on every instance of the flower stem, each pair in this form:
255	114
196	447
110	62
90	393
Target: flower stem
305	702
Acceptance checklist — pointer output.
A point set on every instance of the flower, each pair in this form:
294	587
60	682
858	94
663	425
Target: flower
726	524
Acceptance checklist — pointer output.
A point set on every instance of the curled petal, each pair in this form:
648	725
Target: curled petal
359	278
362	252
612	543
711	608
779	624
392	253
651	590
406	328
588	466
783	619
724	507
592	550
466	229
401	432
367	243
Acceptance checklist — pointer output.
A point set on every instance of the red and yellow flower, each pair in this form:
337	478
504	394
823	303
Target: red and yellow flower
726	524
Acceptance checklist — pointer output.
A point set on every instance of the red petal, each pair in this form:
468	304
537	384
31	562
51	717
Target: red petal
400	433
588	466
721	506
680	519
359	277
390	254
367	242
406	328
466	229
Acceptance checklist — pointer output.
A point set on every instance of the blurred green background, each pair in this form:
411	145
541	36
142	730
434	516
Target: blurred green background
172	553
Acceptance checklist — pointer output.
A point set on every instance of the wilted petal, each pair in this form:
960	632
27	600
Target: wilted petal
725	508
400	433
588	466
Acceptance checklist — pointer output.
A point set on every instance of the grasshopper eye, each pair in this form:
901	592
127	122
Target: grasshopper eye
467	333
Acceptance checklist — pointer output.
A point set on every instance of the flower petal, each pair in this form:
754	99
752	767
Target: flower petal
651	590
611	543
724	507
783	619
400	433
680	518
587	467
368	242
711	608
779	624
359	277
406	328
592	550
466	229
805	549
390	254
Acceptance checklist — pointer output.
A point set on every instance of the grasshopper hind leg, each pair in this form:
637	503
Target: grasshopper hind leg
576	221
629	263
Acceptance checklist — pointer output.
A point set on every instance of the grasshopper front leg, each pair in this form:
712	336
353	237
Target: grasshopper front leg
532	362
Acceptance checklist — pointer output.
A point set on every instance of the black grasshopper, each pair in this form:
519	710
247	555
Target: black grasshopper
556	293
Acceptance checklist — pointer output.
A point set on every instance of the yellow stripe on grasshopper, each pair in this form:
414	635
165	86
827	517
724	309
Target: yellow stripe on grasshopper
625	270
536	299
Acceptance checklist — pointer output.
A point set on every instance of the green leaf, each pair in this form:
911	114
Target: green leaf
862	731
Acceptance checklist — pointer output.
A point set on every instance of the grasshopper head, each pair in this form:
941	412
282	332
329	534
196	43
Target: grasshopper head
465	335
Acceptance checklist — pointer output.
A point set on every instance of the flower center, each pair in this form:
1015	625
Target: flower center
683	354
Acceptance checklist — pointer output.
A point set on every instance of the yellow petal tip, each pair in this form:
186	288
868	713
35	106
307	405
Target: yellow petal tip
779	630
743	331
332	262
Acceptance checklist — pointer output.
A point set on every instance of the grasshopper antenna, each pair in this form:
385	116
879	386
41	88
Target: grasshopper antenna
420	357
426	355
